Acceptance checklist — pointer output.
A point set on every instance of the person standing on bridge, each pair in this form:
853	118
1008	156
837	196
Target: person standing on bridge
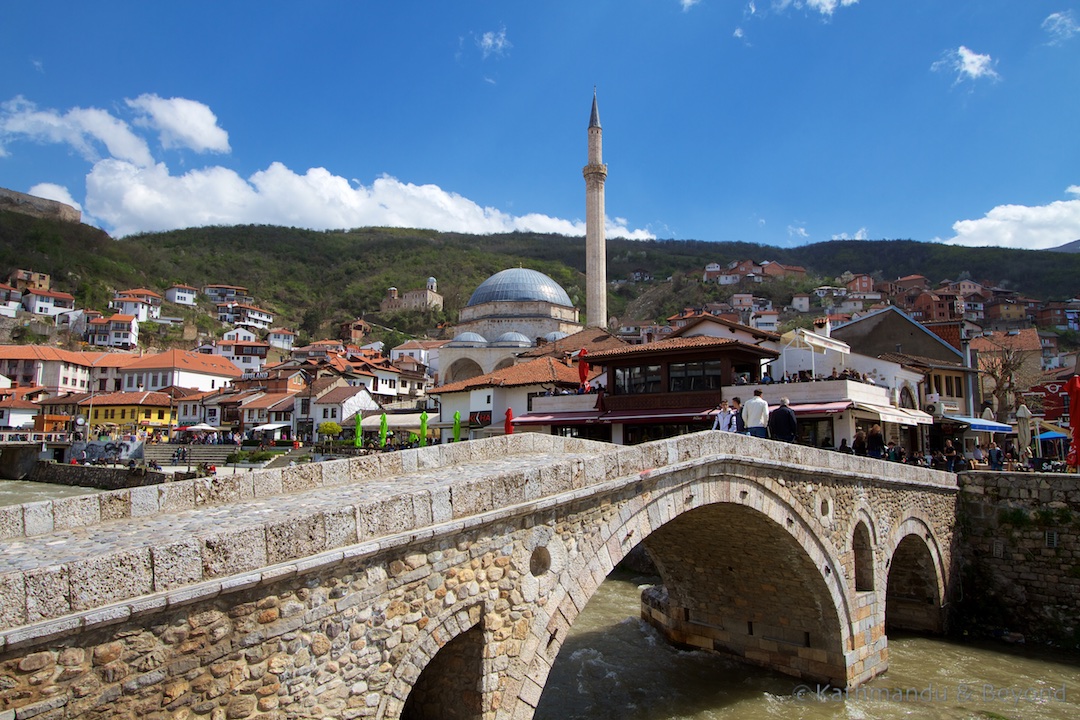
723	417
755	415
737	425
782	423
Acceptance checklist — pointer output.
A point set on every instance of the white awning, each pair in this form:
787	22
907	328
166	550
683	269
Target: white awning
395	421
920	417
270	426
888	413
800	338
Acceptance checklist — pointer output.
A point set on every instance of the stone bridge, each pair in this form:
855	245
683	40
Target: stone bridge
441	582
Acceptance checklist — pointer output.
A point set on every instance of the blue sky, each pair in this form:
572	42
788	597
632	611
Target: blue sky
780	122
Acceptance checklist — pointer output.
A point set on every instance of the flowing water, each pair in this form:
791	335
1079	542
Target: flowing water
615	666
16	492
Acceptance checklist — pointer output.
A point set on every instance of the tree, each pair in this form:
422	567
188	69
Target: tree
329	429
1009	364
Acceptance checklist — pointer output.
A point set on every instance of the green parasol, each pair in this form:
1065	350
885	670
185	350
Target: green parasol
457	426
423	429
382	430
358	439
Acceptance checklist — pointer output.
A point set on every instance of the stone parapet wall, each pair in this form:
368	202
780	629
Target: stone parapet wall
102	478
1020	545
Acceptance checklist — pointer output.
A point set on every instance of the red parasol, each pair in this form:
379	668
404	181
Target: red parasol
1073	389
508	426
582	366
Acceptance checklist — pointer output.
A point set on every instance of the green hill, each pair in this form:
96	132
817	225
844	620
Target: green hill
311	279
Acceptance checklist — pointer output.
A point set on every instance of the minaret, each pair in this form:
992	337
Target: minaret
595	244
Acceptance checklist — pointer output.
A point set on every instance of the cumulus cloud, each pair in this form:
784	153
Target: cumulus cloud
797	232
1060	26
493	43
687	4
133	199
81	128
1023	227
859	234
181	123
130	192
967	64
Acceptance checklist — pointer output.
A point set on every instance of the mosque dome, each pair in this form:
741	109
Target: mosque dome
555	335
468	339
513	339
519	285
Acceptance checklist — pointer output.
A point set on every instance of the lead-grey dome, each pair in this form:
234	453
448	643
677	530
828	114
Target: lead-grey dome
512	339
519	285
468	339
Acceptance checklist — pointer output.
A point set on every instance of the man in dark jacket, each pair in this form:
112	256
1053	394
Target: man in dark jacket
782	423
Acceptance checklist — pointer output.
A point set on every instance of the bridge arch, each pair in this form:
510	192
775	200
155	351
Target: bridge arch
916	579
709	503
463	369
864	541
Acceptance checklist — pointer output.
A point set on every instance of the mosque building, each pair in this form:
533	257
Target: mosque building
519	308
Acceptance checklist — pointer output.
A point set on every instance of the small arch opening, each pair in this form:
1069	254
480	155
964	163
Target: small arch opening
864	558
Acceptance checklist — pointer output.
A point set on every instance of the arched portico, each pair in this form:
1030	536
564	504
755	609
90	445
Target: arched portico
915	590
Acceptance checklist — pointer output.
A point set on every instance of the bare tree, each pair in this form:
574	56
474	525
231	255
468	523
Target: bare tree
1008	366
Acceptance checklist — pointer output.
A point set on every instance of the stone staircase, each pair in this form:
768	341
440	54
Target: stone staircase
210	454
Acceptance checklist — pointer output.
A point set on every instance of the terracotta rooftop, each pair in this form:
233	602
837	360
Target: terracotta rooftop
593	339
1020	340
148	397
541	371
677	343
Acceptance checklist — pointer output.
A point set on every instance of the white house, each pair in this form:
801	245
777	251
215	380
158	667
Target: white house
58	371
342	404
142	303
180	368
118	331
181	294
243	314
281	338
47	302
10	300
16	411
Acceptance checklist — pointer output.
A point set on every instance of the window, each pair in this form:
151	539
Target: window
123	412
146	413
637	380
333	413
160	414
325	413
694	376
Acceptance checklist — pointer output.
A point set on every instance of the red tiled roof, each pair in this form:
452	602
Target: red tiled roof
592	339
676	343
1026	339
184	360
542	371
148	397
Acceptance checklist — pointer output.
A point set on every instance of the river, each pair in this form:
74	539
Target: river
15	492
613	665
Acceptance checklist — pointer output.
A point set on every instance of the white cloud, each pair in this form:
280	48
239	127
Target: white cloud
825	7
859	234
131	199
52	191
1060	26
797	232
1024	227
494	43
181	123
130	192
967	64
687	4
81	128
738	33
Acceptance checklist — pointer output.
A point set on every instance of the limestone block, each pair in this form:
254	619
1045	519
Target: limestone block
301	477
340	527
408	461
363	468
296	537
176	496
267	482
470	498
47	593
385	517
429	457
72	512
177	563
442	509
11	521
12	599
390	465
508	490
215	490
233	550
144	501
531	486
106	579
336	472
38	517
555	479
115	505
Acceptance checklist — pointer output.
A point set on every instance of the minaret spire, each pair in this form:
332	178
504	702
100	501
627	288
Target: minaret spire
595	242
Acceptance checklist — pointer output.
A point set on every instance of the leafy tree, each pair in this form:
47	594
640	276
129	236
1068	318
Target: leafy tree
329	429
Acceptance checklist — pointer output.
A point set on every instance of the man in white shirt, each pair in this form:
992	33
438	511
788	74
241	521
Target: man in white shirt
755	414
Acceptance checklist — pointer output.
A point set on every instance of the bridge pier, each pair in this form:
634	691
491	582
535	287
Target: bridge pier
16	461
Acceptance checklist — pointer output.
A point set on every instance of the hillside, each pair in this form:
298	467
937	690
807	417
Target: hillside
311	279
